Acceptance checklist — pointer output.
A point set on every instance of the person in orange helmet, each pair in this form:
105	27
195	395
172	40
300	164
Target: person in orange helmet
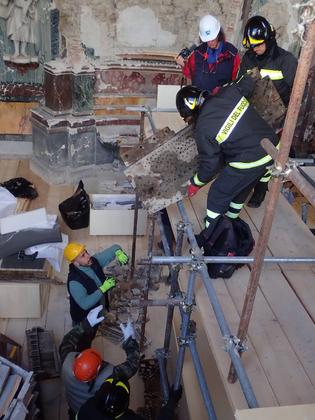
83	369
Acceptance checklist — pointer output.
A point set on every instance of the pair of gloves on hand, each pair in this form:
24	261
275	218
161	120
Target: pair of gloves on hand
94	318
110	282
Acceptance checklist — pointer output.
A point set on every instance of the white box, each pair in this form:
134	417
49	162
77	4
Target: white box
112	214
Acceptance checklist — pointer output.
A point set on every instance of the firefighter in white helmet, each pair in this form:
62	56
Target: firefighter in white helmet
214	62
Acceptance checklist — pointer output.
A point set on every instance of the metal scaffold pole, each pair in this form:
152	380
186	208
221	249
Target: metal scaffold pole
279	166
232	344
147	279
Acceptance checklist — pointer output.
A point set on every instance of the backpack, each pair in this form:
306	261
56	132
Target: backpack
75	210
231	237
21	187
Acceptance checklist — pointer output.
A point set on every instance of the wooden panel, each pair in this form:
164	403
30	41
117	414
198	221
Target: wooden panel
289	236
256	374
21	300
303	285
266	328
298	412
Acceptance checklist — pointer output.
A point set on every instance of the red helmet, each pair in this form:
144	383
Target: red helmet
86	365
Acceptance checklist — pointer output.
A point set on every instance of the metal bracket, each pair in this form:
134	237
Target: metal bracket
162	353
181	226
279	172
306	12
191	334
234	342
186	307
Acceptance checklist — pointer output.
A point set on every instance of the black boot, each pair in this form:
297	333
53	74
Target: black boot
258	195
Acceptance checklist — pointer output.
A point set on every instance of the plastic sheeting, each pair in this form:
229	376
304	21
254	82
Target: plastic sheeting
53	252
8	203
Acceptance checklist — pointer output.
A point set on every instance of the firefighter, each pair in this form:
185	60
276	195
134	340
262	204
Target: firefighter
228	132
214	62
87	284
83	369
111	401
272	61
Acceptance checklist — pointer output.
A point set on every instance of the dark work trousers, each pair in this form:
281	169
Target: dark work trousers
232	185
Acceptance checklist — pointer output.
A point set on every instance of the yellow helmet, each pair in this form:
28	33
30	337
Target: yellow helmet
73	250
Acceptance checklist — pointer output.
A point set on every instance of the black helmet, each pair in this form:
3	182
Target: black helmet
257	31
112	398
188	101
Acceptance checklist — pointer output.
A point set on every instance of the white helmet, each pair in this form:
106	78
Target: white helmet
209	27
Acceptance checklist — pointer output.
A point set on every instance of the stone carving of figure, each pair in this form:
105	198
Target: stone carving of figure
21	26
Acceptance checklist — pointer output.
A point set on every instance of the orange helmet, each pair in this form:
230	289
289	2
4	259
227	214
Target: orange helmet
86	365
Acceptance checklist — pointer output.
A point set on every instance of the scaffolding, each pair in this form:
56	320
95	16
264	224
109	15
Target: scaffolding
234	344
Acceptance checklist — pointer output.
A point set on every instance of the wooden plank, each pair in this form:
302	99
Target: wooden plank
265	323
304	287
255	372
289	236
283	368
262	316
298	412
4	374
295	321
21	300
8	393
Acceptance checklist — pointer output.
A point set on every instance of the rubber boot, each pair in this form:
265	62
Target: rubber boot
258	195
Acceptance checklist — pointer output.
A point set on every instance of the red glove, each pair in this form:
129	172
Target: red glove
192	190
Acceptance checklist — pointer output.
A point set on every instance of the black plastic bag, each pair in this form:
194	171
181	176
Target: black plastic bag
75	210
20	187
231	237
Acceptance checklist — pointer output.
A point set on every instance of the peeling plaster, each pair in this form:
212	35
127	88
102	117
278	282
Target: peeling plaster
91	34
139	27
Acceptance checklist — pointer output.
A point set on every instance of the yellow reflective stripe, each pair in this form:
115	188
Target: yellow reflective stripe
254	41
197	181
212	214
232	120
232	215
265	178
273	74
248	165
236	205
119	383
190	102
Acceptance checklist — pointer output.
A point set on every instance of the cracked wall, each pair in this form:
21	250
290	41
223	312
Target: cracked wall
113	27
109	28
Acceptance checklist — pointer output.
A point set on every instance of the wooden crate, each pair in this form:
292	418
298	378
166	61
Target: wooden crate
23	300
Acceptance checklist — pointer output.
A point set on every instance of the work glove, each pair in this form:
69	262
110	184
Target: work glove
93	316
192	190
128	330
121	257
108	284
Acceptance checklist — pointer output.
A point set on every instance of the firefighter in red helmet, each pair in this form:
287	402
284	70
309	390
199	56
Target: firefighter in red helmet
83	369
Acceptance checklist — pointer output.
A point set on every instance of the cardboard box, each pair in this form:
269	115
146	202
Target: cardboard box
112	214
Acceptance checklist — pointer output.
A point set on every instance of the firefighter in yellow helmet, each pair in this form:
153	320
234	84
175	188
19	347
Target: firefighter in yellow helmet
87	283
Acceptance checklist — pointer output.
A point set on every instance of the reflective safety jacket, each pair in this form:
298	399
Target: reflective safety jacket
208	76
280	65
229	131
